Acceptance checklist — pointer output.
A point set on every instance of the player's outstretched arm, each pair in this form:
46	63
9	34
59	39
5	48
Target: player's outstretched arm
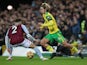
31	38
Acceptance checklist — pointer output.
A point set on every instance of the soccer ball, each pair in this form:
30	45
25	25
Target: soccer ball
30	54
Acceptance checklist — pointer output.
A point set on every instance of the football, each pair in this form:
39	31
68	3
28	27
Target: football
30	54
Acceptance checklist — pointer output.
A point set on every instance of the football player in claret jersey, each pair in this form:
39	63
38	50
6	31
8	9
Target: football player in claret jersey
54	31
15	37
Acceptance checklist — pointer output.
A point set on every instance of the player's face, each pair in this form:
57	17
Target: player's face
42	10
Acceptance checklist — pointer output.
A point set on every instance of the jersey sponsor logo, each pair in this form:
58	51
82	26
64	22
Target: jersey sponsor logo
48	18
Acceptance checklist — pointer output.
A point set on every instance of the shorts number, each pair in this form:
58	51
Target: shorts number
14	29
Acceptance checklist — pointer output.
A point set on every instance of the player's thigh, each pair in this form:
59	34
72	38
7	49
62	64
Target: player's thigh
26	43
49	38
45	40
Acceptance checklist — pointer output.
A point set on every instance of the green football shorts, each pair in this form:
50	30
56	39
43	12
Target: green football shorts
55	37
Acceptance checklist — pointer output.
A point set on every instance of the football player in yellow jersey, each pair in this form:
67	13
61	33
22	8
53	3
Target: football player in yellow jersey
54	32
64	51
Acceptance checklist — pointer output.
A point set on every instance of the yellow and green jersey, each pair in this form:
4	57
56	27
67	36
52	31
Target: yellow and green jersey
50	22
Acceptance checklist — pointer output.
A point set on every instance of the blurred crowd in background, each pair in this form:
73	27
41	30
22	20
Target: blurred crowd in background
70	15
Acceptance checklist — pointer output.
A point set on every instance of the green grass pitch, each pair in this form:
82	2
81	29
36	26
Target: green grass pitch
37	61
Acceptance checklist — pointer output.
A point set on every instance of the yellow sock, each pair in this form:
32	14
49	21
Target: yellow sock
75	44
49	48
74	50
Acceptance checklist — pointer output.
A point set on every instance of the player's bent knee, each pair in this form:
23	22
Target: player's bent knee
44	42
65	44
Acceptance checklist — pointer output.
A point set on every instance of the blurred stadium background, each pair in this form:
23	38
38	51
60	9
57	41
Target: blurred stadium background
71	16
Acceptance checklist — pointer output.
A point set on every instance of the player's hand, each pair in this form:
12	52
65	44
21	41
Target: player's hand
39	23
37	41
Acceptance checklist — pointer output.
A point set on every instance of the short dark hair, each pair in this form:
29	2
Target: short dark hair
17	20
